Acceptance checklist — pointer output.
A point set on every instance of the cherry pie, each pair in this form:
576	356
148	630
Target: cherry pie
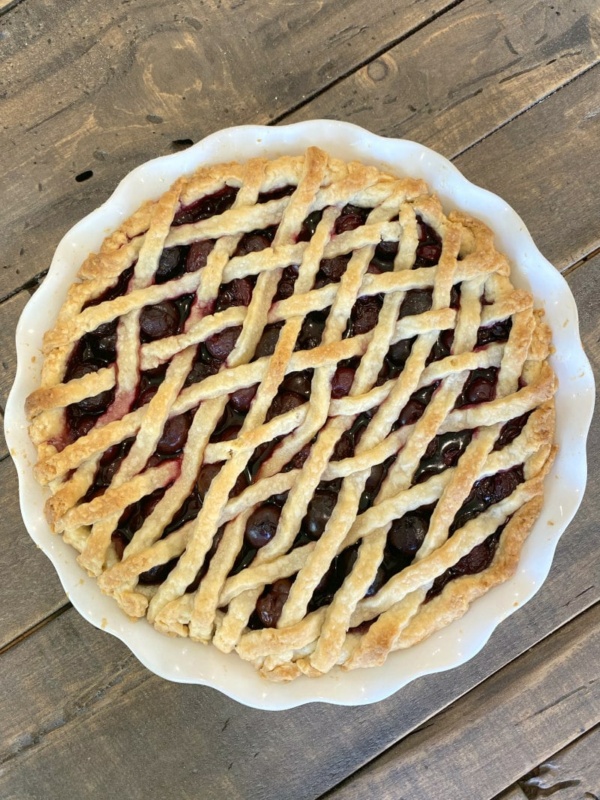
293	409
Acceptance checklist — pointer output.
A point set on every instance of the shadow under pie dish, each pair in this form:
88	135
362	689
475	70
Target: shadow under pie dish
293	409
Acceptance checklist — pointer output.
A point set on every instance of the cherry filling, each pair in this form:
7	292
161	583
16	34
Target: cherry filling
416	405
498	332
480	558
276	194
205	207
309	226
443	451
480	387
429	248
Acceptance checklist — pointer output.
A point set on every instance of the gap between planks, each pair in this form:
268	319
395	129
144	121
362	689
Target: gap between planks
397	764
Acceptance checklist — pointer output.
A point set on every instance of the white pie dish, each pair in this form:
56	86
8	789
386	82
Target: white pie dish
190	662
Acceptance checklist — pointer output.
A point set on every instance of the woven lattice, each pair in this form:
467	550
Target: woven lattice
205	594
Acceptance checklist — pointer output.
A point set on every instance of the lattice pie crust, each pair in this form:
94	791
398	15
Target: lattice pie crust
385	457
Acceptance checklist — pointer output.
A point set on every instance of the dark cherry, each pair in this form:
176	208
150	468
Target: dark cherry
262	453
344	447
334	268
103	342
443	451
276	194
168	264
417	301
429	249
199	371
262	525
242	399
311	333
455	297
352	217
188	511
379	580
298	461
480	387
429	252
270	603
220	345
236	293
268	341
157	574
197	256
386	251
116	290
372	485
498	332
510	430
407	534
309	226
299	382
480	558
174	435
206	207
205	478
253	243
318	513
285	287
443	346
418	402
284	402
159	321
120	542
342	381
365	314
487	492
400	351
79	426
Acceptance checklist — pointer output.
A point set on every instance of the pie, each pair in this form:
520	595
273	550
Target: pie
293	409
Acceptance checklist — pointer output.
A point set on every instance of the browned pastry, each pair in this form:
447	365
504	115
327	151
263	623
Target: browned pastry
293	409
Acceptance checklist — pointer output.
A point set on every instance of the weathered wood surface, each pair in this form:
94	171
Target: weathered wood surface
509	717
505	57
571	774
103	87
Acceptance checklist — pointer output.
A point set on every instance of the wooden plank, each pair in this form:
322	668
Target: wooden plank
456	80
10	311
572	774
75	699
547	184
514	793
30	589
102	87
542	700
534	162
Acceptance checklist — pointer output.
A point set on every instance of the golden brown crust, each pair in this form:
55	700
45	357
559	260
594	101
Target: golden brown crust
400	613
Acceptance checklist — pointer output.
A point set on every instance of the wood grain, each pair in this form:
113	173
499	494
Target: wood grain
10	311
533	162
88	698
99	88
467	73
501	728
514	793
30	588
547	185
572	774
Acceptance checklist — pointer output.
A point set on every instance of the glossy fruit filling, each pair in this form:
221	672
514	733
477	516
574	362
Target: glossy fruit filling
167	318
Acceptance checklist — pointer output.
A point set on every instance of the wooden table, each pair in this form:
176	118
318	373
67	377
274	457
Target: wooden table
511	92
